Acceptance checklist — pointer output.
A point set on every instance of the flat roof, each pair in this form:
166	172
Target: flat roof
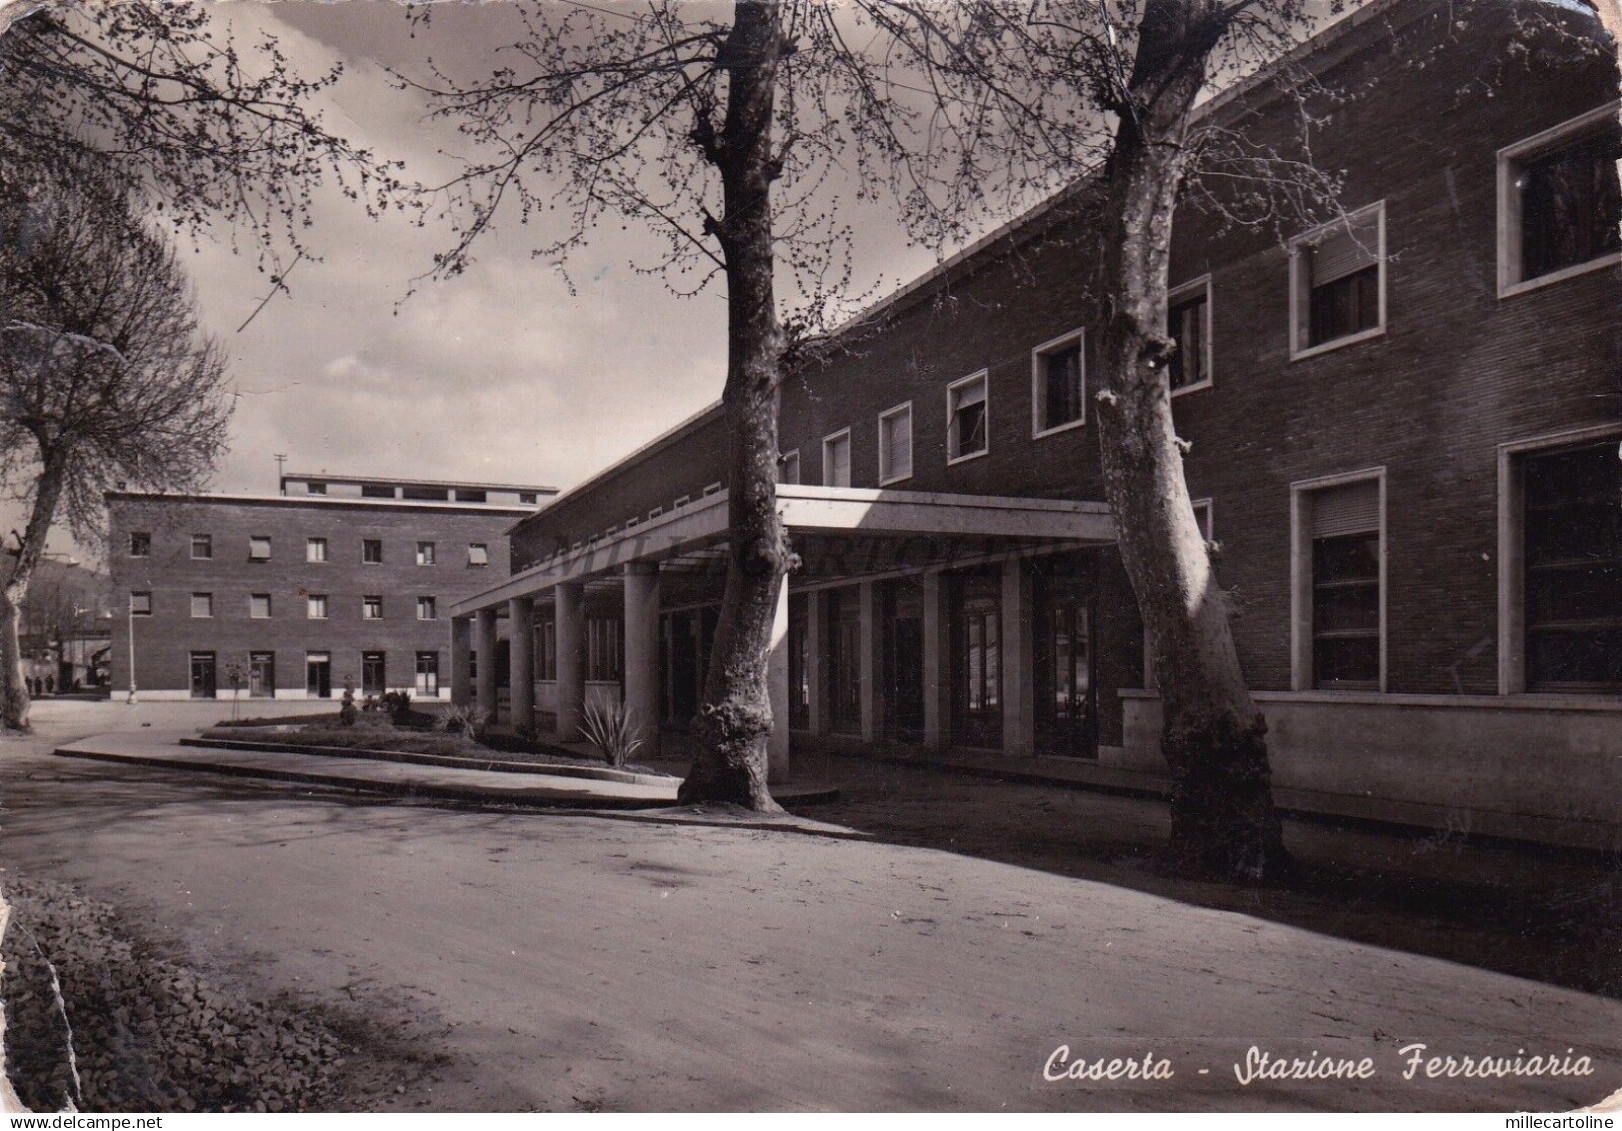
321	501
330	477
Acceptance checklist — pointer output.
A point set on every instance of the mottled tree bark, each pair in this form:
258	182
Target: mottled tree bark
14	699
735	717
1223	818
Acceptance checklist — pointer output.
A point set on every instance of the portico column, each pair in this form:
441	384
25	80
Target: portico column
461	662
570	631
872	697
642	652
937	663
521	662
484	644
816	661
1018	684
777	691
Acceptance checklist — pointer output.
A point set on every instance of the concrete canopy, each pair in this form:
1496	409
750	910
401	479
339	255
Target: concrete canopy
833	528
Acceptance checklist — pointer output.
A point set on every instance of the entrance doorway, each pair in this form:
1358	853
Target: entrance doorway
903	655
318	675
261	675
976	618
1066	672
688	635
202	675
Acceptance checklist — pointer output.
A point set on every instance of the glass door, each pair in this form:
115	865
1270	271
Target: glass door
976	615
202	675
318	675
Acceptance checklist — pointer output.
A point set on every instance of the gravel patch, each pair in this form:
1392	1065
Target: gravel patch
151	1033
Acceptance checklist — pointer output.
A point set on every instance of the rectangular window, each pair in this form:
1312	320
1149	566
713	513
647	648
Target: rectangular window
373	674
1573	572
1188	324
427	609
376	491
546	650
371	551
259	606
202	547
844	647
788	467
425	553
1345	597
140	604
427	675
261	675
315	549
469	495
259	548
895	444
1559	203
836	459
603	649
315	606
316	488
1338	282
478	554
202	604
966	418
1058	376
140	544
526	498
371	608
1202	516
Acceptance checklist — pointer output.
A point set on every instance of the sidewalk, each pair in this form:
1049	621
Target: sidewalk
163	749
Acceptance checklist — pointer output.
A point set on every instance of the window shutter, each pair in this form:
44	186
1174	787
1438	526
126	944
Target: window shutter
1347	250
1351	509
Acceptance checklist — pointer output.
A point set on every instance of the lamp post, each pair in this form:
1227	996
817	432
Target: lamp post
132	700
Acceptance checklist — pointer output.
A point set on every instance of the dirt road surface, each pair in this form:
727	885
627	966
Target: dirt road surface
567	962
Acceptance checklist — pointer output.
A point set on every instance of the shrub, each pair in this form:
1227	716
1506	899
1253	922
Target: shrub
461	720
347	713
612	730
398	705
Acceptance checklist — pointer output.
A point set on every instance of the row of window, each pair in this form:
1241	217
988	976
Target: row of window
259	677
315	549
260	606
1559	213
604	649
418	493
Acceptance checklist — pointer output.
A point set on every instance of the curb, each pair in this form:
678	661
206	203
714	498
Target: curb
448	761
534	798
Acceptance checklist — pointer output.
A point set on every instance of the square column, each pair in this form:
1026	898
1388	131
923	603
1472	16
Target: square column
461	662
937	662
642	652
872	694
777	690
816	661
521	662
570	633
1018	677
484	645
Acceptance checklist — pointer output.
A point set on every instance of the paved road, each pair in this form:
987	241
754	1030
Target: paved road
588	962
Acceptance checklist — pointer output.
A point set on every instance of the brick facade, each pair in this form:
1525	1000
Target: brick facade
165	640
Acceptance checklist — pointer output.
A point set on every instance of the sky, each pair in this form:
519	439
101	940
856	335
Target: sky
501	374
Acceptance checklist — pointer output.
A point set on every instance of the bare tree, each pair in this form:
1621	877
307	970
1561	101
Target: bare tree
1105	94
211	130
723	135
105	379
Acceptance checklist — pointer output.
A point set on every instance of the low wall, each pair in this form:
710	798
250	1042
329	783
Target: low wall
1541	768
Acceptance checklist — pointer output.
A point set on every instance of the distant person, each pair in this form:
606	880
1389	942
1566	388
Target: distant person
50	685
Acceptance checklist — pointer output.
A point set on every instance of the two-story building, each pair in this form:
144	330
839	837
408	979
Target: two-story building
1403	429
287	596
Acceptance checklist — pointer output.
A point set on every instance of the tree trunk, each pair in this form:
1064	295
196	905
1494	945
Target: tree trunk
1223	819
735	719
14	700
